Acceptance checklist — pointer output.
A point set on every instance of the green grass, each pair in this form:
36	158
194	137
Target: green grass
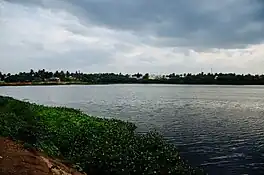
107	146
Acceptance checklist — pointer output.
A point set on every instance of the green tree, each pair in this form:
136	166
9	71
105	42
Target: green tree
56	74
138	75
146	76
67	74
32	73
1	76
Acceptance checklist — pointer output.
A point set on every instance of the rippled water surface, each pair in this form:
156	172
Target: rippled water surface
220	128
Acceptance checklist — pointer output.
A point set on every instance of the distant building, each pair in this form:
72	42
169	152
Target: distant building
54	79
158	77
152	77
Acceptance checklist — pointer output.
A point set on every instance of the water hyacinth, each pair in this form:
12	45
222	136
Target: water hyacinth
104	146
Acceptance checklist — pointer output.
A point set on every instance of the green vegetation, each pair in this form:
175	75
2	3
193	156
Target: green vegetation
102	145
43	77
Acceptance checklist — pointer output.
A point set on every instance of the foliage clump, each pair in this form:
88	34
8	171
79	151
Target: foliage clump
106	146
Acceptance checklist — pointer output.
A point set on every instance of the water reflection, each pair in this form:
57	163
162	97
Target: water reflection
220	128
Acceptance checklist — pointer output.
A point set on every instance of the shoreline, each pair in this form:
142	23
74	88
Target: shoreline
42	83
90	142
85	83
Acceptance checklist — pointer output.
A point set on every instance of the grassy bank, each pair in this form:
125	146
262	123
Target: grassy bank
100	145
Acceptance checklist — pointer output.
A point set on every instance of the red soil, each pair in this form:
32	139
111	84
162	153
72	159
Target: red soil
15	160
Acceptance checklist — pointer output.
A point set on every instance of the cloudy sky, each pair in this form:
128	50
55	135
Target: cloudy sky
156	36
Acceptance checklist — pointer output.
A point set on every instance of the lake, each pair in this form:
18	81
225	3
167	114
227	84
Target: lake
220	128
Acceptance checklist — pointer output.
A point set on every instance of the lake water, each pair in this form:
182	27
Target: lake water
220	128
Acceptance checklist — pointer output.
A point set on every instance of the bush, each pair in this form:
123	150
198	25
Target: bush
102	145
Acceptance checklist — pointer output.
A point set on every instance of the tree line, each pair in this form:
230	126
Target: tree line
108	78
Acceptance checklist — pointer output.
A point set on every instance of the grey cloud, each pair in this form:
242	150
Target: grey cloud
205	23
180	23
131	35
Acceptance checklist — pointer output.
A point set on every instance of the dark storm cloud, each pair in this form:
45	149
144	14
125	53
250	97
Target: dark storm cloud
203	23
